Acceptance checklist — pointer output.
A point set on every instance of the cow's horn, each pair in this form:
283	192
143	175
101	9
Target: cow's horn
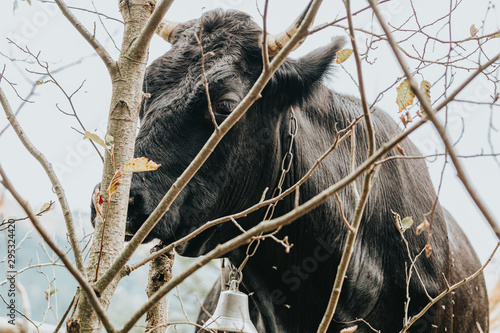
166	30
276	42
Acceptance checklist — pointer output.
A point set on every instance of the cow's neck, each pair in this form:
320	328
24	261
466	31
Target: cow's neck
293	282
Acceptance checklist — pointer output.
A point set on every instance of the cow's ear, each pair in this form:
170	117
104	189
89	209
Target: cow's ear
296	78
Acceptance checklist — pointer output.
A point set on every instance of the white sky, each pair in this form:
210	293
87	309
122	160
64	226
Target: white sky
45	30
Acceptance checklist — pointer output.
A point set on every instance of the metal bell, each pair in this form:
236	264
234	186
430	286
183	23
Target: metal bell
231	313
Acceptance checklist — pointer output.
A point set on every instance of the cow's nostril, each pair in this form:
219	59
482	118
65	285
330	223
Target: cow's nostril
136	204
135	200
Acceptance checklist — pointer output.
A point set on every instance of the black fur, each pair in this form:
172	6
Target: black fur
290	291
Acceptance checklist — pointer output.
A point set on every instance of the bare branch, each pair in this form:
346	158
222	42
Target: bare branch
448	290
61	196
204	74
87	288
369	126
90	38
347	253
441	130
142	42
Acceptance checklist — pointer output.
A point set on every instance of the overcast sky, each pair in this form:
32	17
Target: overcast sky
43	29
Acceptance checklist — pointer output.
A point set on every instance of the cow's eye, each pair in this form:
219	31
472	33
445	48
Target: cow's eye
225	106
226	103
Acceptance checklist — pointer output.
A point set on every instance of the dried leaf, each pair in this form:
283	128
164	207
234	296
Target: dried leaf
406	223
403	120
496	97
406	118
115	182
46	207
140	164
425	88
400	149
343	55
428	250
95	138
38	82
405	95
473	30
349	329
422	226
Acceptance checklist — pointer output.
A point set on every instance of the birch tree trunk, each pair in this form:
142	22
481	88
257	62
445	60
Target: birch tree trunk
123	115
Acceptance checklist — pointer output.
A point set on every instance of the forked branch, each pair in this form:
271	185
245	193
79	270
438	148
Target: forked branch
90	38
430	113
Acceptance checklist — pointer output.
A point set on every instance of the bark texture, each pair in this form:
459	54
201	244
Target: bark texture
123	117
160	272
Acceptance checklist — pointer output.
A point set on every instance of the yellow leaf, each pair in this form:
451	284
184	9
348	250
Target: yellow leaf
343	55
425	88
405	95
115	182
403	224
140	164
38	82
95	138
473	30
46	207
406	223
349	329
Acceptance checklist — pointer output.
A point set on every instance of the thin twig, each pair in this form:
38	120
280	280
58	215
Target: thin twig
87	288
448	290
63	318
369	126
90	38
347	252
430	113
88	11
342	215
56	184
204	74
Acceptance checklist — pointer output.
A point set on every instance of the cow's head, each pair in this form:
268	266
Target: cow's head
175	124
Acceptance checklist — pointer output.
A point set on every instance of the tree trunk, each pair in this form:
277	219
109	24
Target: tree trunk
123	115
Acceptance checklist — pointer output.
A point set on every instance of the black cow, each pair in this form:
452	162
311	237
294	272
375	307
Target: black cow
290	290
